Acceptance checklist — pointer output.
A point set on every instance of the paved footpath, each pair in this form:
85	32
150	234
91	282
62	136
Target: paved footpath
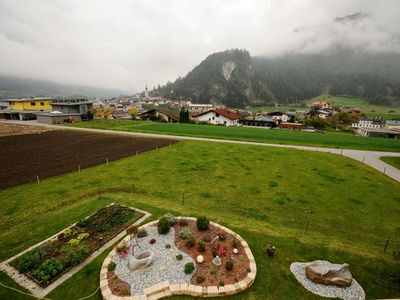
370	158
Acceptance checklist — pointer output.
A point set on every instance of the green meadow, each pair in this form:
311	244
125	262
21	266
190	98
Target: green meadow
309	205
327	139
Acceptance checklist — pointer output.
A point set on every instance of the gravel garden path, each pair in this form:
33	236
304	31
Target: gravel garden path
165	266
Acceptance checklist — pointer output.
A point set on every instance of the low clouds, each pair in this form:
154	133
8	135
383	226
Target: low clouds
128	44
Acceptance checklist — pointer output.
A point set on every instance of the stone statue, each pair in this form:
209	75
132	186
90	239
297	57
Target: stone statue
140	260
217	261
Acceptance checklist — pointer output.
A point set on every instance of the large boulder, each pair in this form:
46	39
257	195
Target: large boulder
327	273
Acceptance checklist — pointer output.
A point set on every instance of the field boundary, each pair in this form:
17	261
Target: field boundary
37	290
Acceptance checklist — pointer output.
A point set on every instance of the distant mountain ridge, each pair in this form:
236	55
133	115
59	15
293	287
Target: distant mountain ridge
14	87
234	78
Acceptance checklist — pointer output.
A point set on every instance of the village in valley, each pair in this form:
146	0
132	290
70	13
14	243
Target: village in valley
317	116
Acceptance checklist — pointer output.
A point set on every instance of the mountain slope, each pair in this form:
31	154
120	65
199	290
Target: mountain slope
19	87
234	78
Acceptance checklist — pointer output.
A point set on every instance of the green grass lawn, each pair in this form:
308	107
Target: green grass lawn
394	161
329	139
267	195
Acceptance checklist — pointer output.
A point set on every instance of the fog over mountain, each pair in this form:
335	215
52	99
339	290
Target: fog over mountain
127	44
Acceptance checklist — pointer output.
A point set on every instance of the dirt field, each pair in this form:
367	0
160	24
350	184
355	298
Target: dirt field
50	153
14	129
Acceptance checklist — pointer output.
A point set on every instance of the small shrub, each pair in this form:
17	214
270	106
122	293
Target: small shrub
123	249
189	268
221	283
201	246
213	271
185	233
142	233
167	246
221	251
200	279
222	236
179	257
132	230
111	266
190	242
82	236
171	218
74	242
163	226
183	222
48	270
152	241
31	260
229	265
202	223
235	243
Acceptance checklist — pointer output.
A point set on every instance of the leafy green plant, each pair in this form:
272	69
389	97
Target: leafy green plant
74	242
179	257
48	270
31	260
200	279
202	223
185	233
201	246
189	268
111	266
167	246
67	232
82	236
190	242
213	271
76	255
163	225
229	265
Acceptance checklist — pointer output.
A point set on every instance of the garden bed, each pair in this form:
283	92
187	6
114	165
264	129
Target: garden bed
226	265
48	261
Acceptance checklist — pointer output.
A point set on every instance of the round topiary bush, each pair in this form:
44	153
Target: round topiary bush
229	265
163	226
202	223
171	218
189	268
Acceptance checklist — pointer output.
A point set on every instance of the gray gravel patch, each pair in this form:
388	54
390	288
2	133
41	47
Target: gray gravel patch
353	292
164	267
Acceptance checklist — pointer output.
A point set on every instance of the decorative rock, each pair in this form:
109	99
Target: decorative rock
200	259
235	251
329	274
217	261
271	250
140	260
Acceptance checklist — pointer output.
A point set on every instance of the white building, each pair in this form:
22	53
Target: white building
367	124
218	117
199	108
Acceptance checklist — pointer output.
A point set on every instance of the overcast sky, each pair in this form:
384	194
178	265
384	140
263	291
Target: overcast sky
127	44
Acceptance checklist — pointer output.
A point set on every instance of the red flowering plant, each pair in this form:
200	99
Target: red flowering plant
221	251
123	250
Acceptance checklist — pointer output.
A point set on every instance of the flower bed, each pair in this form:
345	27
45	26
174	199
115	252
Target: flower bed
45	263
226	265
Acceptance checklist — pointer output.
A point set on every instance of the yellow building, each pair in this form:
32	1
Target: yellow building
30	104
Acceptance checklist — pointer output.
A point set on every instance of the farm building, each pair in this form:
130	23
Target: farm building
218	116
291	125
378	132
81	106
250	121
199	108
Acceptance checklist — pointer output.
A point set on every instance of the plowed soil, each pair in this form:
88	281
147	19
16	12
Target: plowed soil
51	153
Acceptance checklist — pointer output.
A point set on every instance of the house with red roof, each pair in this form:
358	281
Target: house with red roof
218	116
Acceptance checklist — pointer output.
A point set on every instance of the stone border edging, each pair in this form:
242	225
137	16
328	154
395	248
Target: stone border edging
165	289
39	291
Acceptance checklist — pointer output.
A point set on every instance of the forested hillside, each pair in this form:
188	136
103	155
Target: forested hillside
234	78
